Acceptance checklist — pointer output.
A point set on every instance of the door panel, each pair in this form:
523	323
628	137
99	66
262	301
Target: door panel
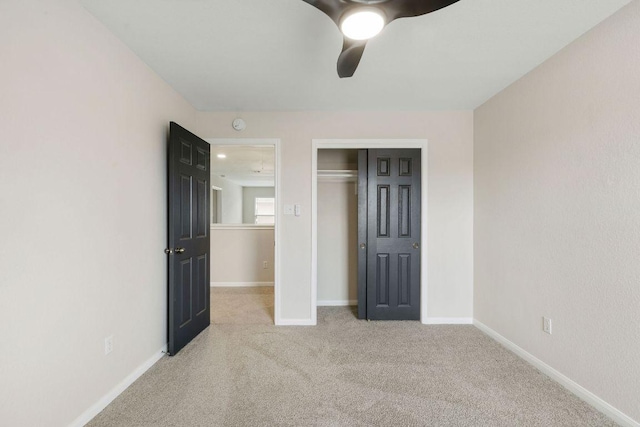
202	283
185	207
185	284
404	215
404	279
382	280
188	199
202	211
392	235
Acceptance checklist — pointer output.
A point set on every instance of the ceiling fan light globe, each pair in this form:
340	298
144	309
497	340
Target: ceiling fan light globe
362	24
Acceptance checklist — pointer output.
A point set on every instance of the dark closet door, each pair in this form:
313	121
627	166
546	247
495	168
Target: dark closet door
392	249
189	246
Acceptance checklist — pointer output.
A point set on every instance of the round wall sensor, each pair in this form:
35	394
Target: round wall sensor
239	124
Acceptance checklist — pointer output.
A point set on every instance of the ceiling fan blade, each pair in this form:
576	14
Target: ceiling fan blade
407	8
333	9
352	50
350	57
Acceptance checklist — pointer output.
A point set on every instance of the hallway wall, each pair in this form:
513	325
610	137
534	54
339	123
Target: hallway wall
232	204
238	253
249	195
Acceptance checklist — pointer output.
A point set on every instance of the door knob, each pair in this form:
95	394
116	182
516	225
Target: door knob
416	245
168	251
363	246
179	250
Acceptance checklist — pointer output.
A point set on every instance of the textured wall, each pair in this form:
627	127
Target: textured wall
83	207
557	203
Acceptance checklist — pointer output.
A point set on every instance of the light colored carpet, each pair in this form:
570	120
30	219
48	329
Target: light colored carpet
345	372
242	305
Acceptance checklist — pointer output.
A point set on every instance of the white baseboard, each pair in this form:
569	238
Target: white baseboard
338	303
295	322
97	407
239	284
448	321
584	394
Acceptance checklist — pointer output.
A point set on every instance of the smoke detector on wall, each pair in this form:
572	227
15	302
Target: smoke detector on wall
239	124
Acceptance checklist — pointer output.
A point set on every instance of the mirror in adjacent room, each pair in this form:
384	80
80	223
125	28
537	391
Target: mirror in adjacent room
242	184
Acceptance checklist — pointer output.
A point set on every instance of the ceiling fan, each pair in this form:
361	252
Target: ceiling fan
360	20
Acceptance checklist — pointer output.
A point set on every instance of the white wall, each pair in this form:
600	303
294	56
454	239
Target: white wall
450	192
337	242
249	195
557	203
83	210
231	199
337	159
237	255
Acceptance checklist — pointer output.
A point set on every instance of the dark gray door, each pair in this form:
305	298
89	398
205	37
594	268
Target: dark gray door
390	240
188	249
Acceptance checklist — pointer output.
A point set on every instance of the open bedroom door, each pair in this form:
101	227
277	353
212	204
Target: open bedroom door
188	247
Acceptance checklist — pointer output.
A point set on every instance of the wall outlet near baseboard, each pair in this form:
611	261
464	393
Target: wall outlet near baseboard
108	345
546	325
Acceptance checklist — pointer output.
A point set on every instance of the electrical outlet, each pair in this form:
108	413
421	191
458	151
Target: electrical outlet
265	264
546	325
108	345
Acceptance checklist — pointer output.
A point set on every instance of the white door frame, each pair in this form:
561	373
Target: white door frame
276	143
218	202
317	144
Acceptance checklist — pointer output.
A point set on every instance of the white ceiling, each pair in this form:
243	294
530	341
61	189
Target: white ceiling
245	165
258	55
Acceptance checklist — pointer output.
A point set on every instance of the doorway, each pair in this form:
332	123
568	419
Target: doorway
370	144
245	174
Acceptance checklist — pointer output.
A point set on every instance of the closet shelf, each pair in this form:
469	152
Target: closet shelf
338	175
